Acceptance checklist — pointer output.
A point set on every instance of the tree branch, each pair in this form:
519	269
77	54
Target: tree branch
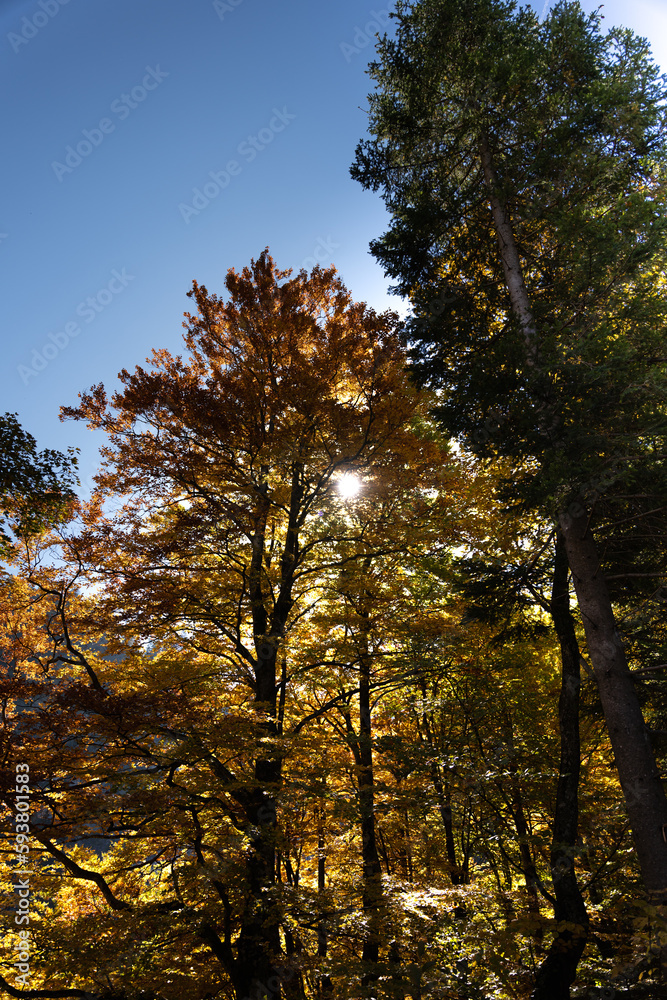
83	873
54	994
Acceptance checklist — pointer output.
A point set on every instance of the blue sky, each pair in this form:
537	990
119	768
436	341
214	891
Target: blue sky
150	142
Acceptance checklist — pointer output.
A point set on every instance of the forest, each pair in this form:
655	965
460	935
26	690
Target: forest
348	680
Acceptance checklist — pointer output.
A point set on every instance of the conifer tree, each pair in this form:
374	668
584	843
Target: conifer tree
523	164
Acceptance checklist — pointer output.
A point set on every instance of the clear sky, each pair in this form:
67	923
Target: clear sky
148	143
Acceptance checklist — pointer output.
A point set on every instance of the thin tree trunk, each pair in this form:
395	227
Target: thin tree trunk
559	969
523	837
362	750
509	255
372	874
443	792
324	984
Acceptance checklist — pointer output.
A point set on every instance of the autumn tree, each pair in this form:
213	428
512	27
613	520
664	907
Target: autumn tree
368	616
386	823
180	642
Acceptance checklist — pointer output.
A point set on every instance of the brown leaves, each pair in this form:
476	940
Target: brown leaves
223	591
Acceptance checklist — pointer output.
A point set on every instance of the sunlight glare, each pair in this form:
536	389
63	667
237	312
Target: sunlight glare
348	485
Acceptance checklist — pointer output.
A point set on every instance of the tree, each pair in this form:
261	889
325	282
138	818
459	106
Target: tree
383	824
506	594
35	487
523	164
182	639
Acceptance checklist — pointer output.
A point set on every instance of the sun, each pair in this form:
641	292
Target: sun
348	485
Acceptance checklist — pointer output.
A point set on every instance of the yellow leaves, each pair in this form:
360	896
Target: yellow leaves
231	603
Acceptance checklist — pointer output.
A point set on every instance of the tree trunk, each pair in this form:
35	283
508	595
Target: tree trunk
509	255
444	796
559	969
362	750
640	780
644	795
324	984
523	837
372	874
258	944
443	792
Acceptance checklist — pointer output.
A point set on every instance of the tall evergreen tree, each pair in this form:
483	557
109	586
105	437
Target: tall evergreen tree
523	164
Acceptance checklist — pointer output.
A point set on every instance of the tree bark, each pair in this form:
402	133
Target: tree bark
523	838
324	984
372	873
258	944
443	792
362	750
559	969
644	795
637	769
509	255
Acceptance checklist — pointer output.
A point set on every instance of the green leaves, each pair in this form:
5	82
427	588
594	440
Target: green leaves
573	121
36	487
